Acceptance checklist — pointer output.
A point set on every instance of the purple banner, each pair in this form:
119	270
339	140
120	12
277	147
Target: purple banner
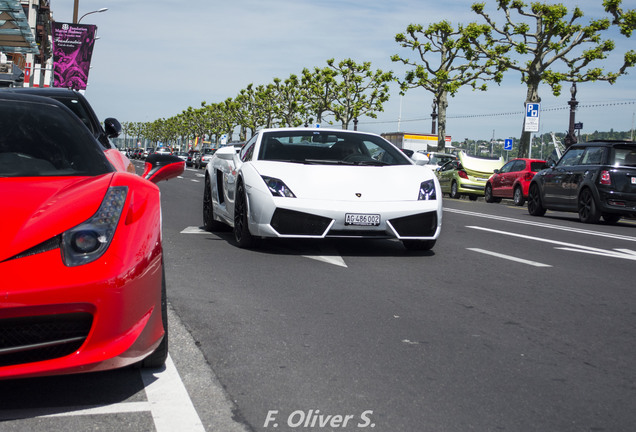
72	52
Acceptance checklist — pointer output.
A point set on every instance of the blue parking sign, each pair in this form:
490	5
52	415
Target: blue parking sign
531	123
508	144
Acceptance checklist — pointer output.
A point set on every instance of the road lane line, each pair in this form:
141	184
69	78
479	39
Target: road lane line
542	225
618	253
509	257
170	404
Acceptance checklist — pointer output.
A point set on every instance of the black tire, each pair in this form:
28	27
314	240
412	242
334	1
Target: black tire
611	218
588	210
517	197
209	224
158	357
453	192
535	206
488	194
242	235
418	245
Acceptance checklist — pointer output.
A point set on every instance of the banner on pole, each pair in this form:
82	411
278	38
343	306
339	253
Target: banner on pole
72	52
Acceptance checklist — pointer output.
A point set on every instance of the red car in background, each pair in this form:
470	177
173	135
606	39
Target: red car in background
512	180
81	260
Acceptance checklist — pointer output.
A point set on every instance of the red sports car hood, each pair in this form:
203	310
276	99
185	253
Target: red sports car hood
35	209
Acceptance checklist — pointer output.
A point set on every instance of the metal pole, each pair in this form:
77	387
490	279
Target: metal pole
571	136
75	10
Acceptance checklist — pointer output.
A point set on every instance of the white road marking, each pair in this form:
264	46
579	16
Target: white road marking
543	225
194	230
509	257
329	259
617	253
168	402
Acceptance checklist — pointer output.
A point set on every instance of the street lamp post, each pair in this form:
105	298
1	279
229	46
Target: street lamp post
95	11
571	136
433	117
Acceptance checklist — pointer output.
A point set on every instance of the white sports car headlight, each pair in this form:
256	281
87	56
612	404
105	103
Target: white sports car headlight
427	191
278	187
89	240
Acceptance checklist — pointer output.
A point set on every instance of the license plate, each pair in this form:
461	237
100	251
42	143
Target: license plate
362	219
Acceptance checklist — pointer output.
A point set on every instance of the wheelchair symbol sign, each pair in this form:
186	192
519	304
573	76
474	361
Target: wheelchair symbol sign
531	123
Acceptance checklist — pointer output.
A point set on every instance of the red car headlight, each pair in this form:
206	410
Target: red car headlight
89	240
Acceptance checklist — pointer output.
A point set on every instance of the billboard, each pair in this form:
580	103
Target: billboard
72	52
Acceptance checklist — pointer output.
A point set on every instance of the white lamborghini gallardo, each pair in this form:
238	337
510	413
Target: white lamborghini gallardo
318	183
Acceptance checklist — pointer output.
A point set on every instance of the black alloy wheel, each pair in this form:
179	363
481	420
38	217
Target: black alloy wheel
209	224
535	207
588	210
242	234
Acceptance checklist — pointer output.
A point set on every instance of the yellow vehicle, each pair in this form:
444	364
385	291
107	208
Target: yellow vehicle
467	175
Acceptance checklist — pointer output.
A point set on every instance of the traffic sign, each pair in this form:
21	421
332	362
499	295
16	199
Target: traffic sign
532	117
508	144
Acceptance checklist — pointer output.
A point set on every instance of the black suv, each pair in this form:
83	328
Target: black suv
596	179
77	103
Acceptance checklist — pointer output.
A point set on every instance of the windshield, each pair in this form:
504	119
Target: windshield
329	147
40	139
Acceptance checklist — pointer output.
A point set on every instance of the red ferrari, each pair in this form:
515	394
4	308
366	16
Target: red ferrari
82	284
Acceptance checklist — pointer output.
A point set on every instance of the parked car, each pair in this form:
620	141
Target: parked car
437	160
595	179
164	150
318	183
147	152
192	157
513	180
203	158
76	296
182	155
467	175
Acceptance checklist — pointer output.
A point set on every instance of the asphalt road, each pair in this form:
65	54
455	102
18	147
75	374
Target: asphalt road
510	323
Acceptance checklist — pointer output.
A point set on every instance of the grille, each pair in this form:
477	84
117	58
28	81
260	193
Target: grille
290	222
31	339
358	233
419	225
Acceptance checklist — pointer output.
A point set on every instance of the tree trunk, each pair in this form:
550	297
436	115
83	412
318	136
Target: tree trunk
442	105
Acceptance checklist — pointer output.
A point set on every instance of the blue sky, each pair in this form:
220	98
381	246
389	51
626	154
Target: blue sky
156	58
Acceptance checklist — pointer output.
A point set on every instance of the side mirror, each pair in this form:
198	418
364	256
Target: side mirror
226	153
162	167
112	127
496	171
419	158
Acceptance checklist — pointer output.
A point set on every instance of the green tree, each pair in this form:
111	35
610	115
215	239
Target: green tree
550	45
358	91
446	63
318	92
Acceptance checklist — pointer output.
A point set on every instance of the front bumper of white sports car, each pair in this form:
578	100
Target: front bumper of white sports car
298	218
